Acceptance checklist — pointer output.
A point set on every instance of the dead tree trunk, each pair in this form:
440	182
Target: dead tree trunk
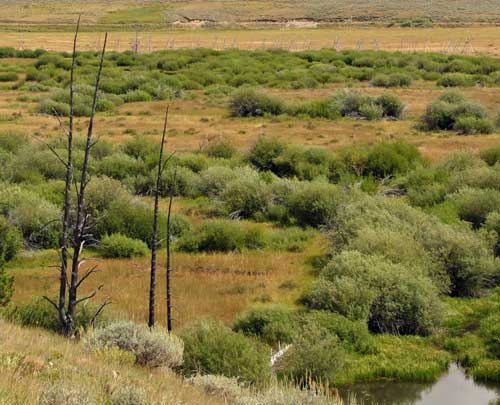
81	220
168	273
154	238
67	192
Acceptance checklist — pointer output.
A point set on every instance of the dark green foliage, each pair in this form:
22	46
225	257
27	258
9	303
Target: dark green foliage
455	80
10	241
120	246
8	76
264	152
474	205
391	80
135	220
372	289
452	111
248	103
272	323
490	331
390	158
212	348
221	236
6	286
312	203
491	156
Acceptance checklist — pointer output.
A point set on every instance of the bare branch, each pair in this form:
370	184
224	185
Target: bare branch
92	295
52	149
87	274
50	301
106	302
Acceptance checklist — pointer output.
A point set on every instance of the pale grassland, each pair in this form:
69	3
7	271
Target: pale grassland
32	359
467	40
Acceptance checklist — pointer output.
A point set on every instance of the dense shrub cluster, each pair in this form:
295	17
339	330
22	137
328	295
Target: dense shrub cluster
452	111
249	103
120	246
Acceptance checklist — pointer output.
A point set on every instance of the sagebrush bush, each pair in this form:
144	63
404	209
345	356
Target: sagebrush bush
455	80
213	180
492	223
120	246
491	156
453	111
154	348
210	347
248	103
392	80
219	148
62	393
390	158
129	395
272	323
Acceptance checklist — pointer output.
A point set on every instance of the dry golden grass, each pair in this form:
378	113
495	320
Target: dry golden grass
192	122
32	359
216	285
482	40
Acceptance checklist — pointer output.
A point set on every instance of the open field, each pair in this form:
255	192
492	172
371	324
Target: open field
344	202
470	40
154	12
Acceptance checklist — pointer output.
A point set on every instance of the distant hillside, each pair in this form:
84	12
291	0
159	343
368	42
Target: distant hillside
195	13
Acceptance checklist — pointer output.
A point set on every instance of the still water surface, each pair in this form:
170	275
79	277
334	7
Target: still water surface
453	388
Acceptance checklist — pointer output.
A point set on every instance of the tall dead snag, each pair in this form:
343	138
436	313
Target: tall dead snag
154	238
81	228
66	313
67	193
168	273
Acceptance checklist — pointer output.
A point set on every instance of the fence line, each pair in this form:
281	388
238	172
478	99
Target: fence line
145	43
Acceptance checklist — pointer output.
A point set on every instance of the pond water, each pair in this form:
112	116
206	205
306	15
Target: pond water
453	388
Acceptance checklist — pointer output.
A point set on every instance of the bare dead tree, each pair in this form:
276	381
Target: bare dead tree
154	238
168	274
66	314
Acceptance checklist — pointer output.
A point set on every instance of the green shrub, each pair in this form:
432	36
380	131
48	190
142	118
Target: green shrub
490	331
213	180
6	285
177	181
40	313
455	80
10	241
212	348
136	96
34	216
468	125
246	195
154	348
390	158
492	223
221	236
264	152
8	76
353	335
248	103
120	246
220	148
134	219
312	203
391	105
374	289
392	80
444	113
314	355
474	205
272	323
491	156
119	165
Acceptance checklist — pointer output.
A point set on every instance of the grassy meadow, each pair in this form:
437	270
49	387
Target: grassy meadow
345	203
